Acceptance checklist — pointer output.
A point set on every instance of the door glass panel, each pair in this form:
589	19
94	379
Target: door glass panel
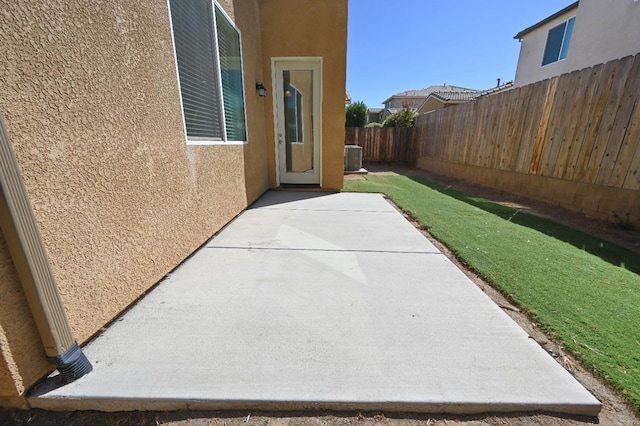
298	120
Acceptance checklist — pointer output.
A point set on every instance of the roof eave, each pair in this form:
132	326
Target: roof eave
526	31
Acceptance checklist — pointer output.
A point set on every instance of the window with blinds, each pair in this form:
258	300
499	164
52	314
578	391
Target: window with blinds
209	57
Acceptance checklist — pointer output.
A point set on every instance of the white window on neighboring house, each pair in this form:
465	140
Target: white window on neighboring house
209	57
558	41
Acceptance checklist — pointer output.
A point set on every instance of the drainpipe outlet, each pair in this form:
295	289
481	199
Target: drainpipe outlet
72	364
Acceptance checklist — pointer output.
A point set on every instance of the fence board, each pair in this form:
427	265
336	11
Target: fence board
598	157
572	142
617	141
631	144
543	126
594	121
583	126
512	127
557	126
529	121
592	110
632	180
385	145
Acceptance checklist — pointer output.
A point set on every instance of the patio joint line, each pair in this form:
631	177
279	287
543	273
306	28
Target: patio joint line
325	250
323	210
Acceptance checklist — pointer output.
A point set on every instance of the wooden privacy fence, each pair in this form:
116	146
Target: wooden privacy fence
580	127
385	144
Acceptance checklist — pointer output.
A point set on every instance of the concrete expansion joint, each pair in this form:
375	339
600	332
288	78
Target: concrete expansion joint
322	250
324	210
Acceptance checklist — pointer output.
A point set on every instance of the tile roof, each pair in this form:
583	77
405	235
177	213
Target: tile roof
424	93
448	96
507	86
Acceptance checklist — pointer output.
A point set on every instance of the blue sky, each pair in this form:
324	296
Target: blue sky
401	45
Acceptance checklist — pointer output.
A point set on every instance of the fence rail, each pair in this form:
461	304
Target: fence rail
572	140
580	127
385	145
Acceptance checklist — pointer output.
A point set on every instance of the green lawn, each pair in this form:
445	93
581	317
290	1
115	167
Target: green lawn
584	290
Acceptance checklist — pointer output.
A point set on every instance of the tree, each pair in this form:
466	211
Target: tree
402	118
356	115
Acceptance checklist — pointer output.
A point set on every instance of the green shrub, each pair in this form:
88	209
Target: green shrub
356	115
403	118
374	124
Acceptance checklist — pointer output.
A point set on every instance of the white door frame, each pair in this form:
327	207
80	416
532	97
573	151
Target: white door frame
278	64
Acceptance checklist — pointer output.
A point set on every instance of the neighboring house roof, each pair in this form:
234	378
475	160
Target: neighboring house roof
448	95
524	32
449	98
507	86
424	93
460	96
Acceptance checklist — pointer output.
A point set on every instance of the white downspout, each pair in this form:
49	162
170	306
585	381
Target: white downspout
20	229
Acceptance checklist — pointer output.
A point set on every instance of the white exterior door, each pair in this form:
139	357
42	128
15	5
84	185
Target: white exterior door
298	108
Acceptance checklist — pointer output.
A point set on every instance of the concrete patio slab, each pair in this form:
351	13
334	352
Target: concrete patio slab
310	300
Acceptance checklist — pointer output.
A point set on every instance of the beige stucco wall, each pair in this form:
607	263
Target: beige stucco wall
431	104
22	356
412	102
89	92
603	31
248	20
532	47
310	29
606	31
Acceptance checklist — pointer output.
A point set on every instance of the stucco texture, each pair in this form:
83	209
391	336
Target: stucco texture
247	16
603	31
311	29
89	92
22	355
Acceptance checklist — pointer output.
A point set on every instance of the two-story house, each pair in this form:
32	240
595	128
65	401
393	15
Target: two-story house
427	99
583	34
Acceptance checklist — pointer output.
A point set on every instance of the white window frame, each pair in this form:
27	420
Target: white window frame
564	40
299	120
216	54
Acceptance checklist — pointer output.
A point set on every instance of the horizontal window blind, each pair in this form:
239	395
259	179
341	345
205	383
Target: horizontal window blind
197	70
210	79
